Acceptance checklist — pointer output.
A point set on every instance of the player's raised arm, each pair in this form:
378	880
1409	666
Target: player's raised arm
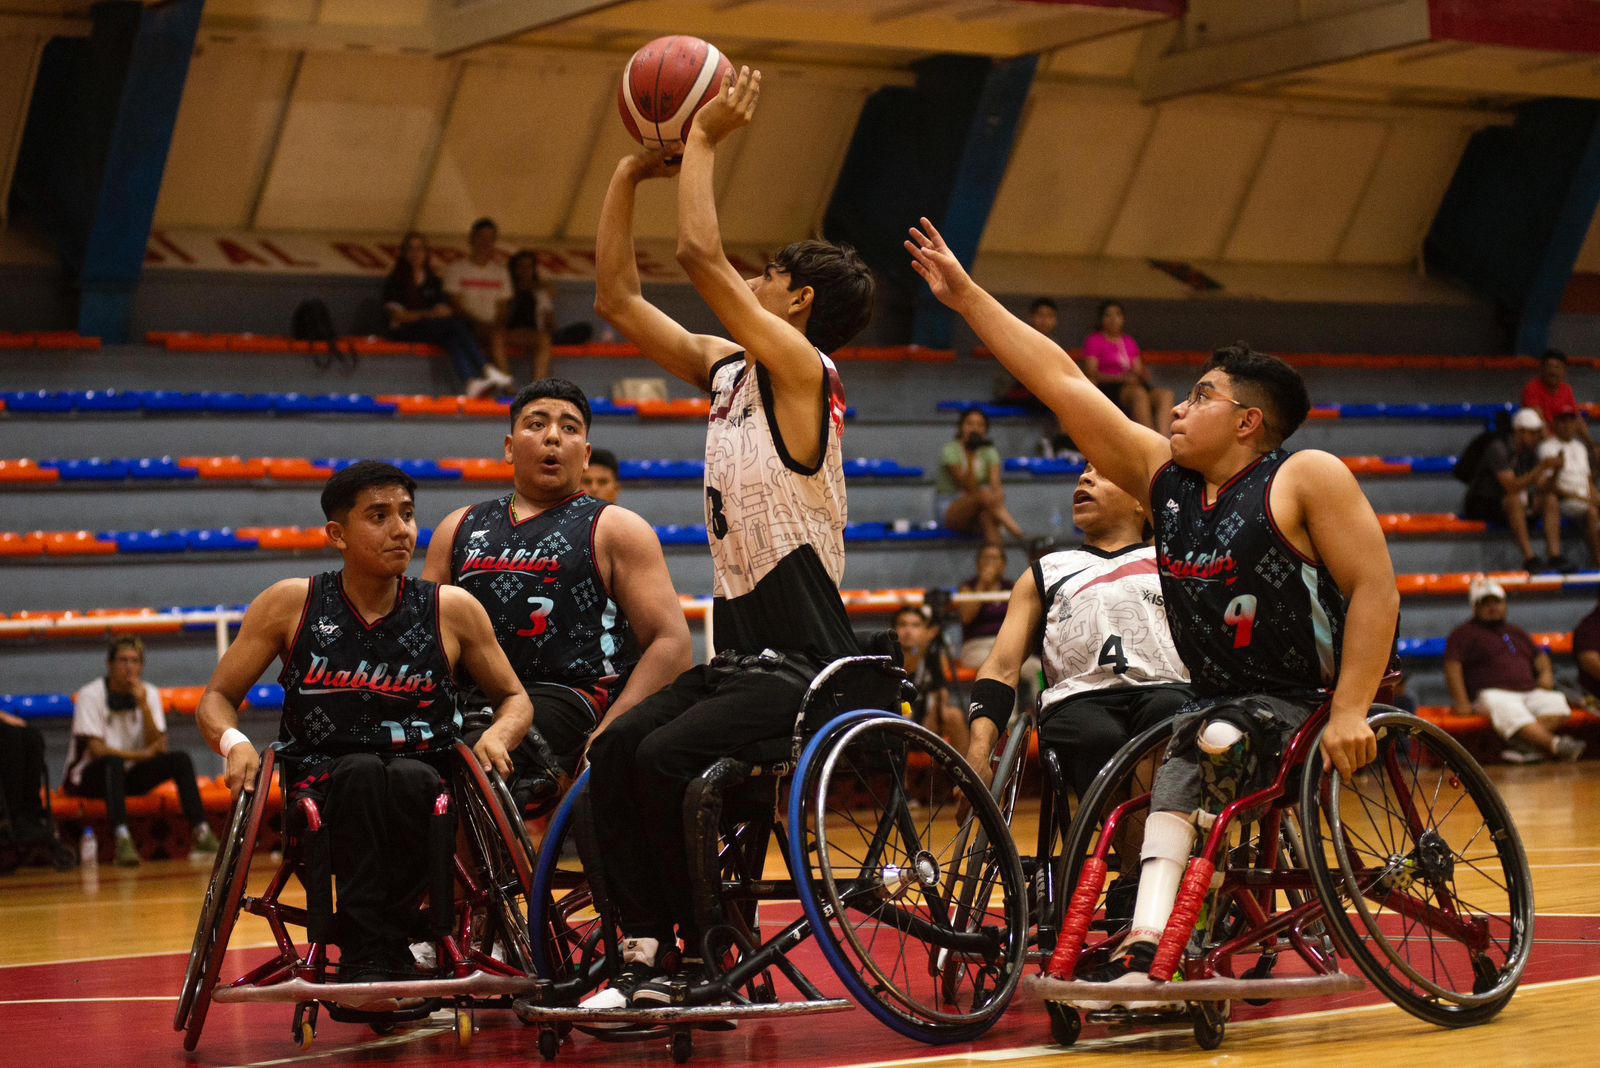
770	340
437	566
266	632
1120	449
1345	534
618	298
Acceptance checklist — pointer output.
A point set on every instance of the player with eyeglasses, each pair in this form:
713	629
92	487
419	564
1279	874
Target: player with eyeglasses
1277	581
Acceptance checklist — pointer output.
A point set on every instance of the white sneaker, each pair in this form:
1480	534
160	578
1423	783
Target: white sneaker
426	956
638	966
498	379
477	387
1568	748
1521	756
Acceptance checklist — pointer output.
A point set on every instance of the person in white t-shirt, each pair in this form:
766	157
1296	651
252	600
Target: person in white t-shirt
480	288
1571	493
119	747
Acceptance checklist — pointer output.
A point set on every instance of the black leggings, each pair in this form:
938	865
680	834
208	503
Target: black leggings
1087	731
643	764
112	779
22	778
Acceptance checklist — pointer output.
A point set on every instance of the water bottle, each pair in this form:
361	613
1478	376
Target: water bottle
88	849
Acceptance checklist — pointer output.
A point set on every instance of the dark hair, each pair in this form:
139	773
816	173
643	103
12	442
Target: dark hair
124	641
481	224
842	287
913	609
511	266
969	410
401	269
340	492
607	459
1041	302
1105	306
558	388
1554	354
1279	386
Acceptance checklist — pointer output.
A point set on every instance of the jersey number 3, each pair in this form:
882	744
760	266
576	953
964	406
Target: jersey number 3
539	619
1241	614
714	517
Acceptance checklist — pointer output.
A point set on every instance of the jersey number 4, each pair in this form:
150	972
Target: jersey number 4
1111	655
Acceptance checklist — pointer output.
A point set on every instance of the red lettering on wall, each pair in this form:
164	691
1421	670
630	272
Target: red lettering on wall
360	255
157	237
284	258
238	254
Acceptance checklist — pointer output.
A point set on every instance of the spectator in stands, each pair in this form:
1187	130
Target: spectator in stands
531	315
119	747
479	287
1111	360
981	620
1508	481
603	478
1586	651
969	496
927	662
1550	391
1044	315
414	298
1494	668
26	831
1571	493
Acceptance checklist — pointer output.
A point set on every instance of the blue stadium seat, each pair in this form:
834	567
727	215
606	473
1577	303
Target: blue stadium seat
107	400
267	697
1421	648
661	470
147	541
39	705
206	627
37	401
158	467
863	468
687	534
92	470
167	401
221	539
237	403
1039	467
607	406
993	411
428	470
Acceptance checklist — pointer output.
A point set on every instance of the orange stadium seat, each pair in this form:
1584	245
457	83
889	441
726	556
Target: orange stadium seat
479	469
295	469
619	350
151	621
231	468
485	407
76	543
421	404
181	699
14	471
286	539
13	543
257	343
688	408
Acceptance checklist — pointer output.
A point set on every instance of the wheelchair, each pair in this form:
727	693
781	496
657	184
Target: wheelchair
1414	871
930	943
478	885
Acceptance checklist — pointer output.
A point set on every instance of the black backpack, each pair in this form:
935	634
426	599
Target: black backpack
313	322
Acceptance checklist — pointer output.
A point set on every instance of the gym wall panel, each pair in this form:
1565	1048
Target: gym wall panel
264	10
517	143
359	132
776	194
1305	190
1589	255
373	12
1073	161
231	108
655	211
1402	194
1190	182
19	62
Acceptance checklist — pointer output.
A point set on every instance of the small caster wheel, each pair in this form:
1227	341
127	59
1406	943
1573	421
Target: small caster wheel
682	1047
1065	1023
1261	970
1210	1024
463	1028
304	1035
549	1043
382	1028
304	1030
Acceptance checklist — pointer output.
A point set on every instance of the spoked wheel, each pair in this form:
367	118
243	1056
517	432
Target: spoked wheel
1440	897
564	926
877	797
502	842
1129	775
220	910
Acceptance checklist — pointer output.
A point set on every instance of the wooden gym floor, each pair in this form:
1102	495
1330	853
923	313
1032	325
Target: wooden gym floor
91	962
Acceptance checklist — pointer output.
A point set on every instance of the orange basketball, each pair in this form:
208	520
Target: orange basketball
664	84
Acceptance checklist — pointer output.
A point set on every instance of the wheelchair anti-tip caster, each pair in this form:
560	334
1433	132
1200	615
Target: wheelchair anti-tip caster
463	1028
682	1046
304	1031
549	1043
1065	1023
1210	1023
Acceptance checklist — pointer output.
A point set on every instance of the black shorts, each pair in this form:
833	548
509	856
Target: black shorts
563	717
1086	731
1484	509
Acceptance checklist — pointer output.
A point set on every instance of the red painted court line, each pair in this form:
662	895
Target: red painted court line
139	1032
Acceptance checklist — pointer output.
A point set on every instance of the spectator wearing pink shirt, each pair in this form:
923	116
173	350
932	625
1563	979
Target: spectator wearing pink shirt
1111	360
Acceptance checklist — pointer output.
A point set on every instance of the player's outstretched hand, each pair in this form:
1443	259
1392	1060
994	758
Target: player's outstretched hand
243	764
932	259
1348	744
491	753
653	163
731	108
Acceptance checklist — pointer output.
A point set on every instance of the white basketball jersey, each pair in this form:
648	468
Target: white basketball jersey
1105	624
776	527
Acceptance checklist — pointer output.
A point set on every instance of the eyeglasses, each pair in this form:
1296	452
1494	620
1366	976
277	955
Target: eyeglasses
1205	392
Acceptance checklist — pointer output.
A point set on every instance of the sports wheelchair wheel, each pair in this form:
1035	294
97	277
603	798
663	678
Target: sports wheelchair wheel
491	817
1422	847
565	927
876	797
229	873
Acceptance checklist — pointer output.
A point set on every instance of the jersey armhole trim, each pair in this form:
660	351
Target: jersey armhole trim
764	385
438	628
1272	522
305	614
455	541
717	366
594	555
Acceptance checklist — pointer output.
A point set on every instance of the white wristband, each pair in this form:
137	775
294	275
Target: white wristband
230	738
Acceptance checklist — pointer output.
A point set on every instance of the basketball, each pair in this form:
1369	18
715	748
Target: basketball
664	84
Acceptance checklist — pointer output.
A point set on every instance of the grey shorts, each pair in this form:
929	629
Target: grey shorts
1269	721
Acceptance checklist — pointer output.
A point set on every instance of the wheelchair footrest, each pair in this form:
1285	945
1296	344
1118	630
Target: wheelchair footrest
1220	989
673	1014
374	996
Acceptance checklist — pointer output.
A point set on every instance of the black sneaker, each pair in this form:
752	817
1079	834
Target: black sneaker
640	964
1131	964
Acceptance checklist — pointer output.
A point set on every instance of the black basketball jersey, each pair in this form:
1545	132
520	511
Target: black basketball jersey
1248	613
537	579
350	686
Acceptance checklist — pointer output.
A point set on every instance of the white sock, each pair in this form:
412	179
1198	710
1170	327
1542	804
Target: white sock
1168	838
122	831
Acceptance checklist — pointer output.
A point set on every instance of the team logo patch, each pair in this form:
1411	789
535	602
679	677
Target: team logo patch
326	630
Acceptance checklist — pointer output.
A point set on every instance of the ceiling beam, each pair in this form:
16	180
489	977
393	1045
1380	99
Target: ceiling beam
459	26
1192	65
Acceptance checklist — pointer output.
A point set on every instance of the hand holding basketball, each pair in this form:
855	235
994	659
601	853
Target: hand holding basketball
652	163
932	259
731	108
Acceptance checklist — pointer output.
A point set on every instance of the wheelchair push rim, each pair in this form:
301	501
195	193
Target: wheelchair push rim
1435	873
887	900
